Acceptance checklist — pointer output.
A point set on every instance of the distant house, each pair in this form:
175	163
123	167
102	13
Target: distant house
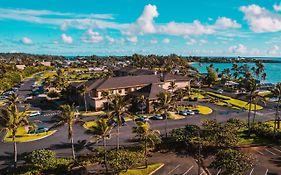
130	71
20	66
46	63
149	85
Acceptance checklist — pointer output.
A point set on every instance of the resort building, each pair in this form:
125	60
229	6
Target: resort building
147	85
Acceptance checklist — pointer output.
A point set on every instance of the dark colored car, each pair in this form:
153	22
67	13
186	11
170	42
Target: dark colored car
40	129
157	117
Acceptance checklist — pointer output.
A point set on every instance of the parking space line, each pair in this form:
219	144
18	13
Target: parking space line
251	171
188	170
276	149
259	152
266	172
174	169
219	172
270	152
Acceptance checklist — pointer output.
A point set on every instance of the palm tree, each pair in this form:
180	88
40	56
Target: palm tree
277	92
107	96
102	131
141	102
11	119
172	86
82	90
252	87
163	104
146	134
120	110
67	116
256	97
60	79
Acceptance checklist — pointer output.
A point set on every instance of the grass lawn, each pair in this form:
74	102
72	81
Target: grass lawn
264	93
234	102
22	136
143	170
90	113
90	124
253	139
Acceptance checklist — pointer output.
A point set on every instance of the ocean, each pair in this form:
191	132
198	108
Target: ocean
273	70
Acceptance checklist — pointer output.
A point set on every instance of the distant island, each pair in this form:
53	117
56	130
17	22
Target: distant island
25	58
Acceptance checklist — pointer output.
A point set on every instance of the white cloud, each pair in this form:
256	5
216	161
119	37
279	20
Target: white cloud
277	7
153	41
110	39
66	39
227	22
198	42
182	29
92	37
133	39
260	19
238	49
26	40
275	50
191	42
166	40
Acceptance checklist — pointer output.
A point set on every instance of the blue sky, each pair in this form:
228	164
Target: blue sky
124	27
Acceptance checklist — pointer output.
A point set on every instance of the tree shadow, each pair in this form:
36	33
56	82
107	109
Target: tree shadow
80	145
8	158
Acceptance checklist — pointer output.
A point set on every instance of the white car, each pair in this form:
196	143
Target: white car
34	113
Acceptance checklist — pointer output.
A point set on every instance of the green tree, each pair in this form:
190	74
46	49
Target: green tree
67	116
106	95
11	119
83	90
102	131
211	77
172	86
163	104
232	162
120	110
277	92
126	159
148	136
141	100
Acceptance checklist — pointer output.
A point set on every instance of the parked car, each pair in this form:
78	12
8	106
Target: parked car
196	111
220	91
34	113
142	119
157	117
40	129
186	112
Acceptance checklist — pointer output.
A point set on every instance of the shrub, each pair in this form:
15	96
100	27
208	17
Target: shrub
43	159
123	160
53	94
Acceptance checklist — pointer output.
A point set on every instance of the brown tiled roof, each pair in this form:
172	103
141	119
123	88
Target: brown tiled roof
150	91
131	81
76	84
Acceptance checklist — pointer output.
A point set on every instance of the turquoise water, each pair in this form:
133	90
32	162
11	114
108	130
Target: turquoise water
273	70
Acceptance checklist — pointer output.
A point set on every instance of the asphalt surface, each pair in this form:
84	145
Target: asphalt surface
59	142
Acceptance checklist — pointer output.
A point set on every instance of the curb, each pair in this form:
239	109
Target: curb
156	169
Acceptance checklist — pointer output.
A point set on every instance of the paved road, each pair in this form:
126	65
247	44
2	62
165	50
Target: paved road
60	143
